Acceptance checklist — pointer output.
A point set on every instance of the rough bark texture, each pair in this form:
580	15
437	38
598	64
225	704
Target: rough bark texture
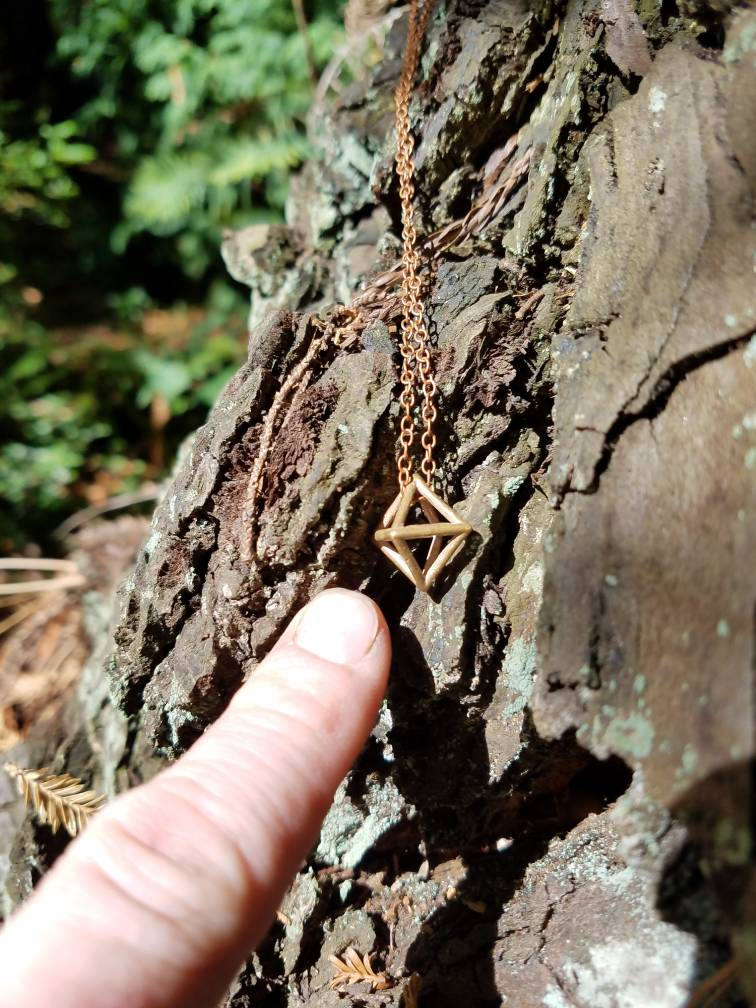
553	808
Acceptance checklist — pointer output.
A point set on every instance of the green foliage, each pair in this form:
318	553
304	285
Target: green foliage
200	103
35	182
34	175
131	133
165	118
76	418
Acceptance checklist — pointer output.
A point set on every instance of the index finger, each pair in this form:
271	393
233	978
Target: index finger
168	890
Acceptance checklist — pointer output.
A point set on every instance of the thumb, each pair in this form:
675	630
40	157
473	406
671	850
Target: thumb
162	897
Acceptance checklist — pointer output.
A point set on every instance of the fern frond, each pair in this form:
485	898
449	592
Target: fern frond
254	159
165	189
353	969
58	799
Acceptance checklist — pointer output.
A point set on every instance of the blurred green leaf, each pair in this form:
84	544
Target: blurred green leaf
146	128
169	378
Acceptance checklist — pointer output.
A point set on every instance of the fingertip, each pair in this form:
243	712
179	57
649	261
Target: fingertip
339	626
344	627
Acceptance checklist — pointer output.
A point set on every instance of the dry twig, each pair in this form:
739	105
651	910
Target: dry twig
360	15
67	575
353	969
376	298
304	31
147	492
41	653
58	799
365	26
333	333
22	607
710	991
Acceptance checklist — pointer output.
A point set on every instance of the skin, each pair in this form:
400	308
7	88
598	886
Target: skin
163	896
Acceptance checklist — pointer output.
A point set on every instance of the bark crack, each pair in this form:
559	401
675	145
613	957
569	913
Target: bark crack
660	395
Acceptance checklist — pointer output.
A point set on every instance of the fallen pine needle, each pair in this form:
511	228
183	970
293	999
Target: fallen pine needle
710	991
58	799
411	991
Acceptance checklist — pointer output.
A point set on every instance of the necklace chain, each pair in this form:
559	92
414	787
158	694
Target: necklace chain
416	366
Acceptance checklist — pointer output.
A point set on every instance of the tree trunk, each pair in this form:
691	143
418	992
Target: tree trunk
552	809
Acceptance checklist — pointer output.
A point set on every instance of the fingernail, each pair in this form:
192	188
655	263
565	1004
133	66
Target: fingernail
338	625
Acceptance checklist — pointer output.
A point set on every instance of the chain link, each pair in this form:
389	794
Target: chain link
416	365
416	374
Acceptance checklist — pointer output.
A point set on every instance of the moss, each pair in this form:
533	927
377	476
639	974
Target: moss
349	832
689	761
532	580
741	45
657	102
631	736
519	670
732	842
611	975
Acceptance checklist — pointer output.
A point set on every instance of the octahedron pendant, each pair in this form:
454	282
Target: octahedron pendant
393	535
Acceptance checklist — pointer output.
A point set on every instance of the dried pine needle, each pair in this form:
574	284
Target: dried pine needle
66	575
710	991
355	969
411	991
58	799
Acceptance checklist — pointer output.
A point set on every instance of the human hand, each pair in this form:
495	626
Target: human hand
159	901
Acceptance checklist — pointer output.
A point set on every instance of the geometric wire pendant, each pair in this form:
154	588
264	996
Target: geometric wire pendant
393	535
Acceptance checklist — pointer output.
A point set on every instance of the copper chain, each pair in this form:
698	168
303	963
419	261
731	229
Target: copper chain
416	366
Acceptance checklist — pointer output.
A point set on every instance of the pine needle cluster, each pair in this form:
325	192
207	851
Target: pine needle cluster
58	799
352	968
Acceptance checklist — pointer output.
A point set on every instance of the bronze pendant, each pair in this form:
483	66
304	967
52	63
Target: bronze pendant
393	535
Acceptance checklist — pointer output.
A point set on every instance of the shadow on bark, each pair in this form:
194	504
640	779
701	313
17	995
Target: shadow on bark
442	767
709	888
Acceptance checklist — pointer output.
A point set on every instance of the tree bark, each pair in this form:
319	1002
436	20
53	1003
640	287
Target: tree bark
553	807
